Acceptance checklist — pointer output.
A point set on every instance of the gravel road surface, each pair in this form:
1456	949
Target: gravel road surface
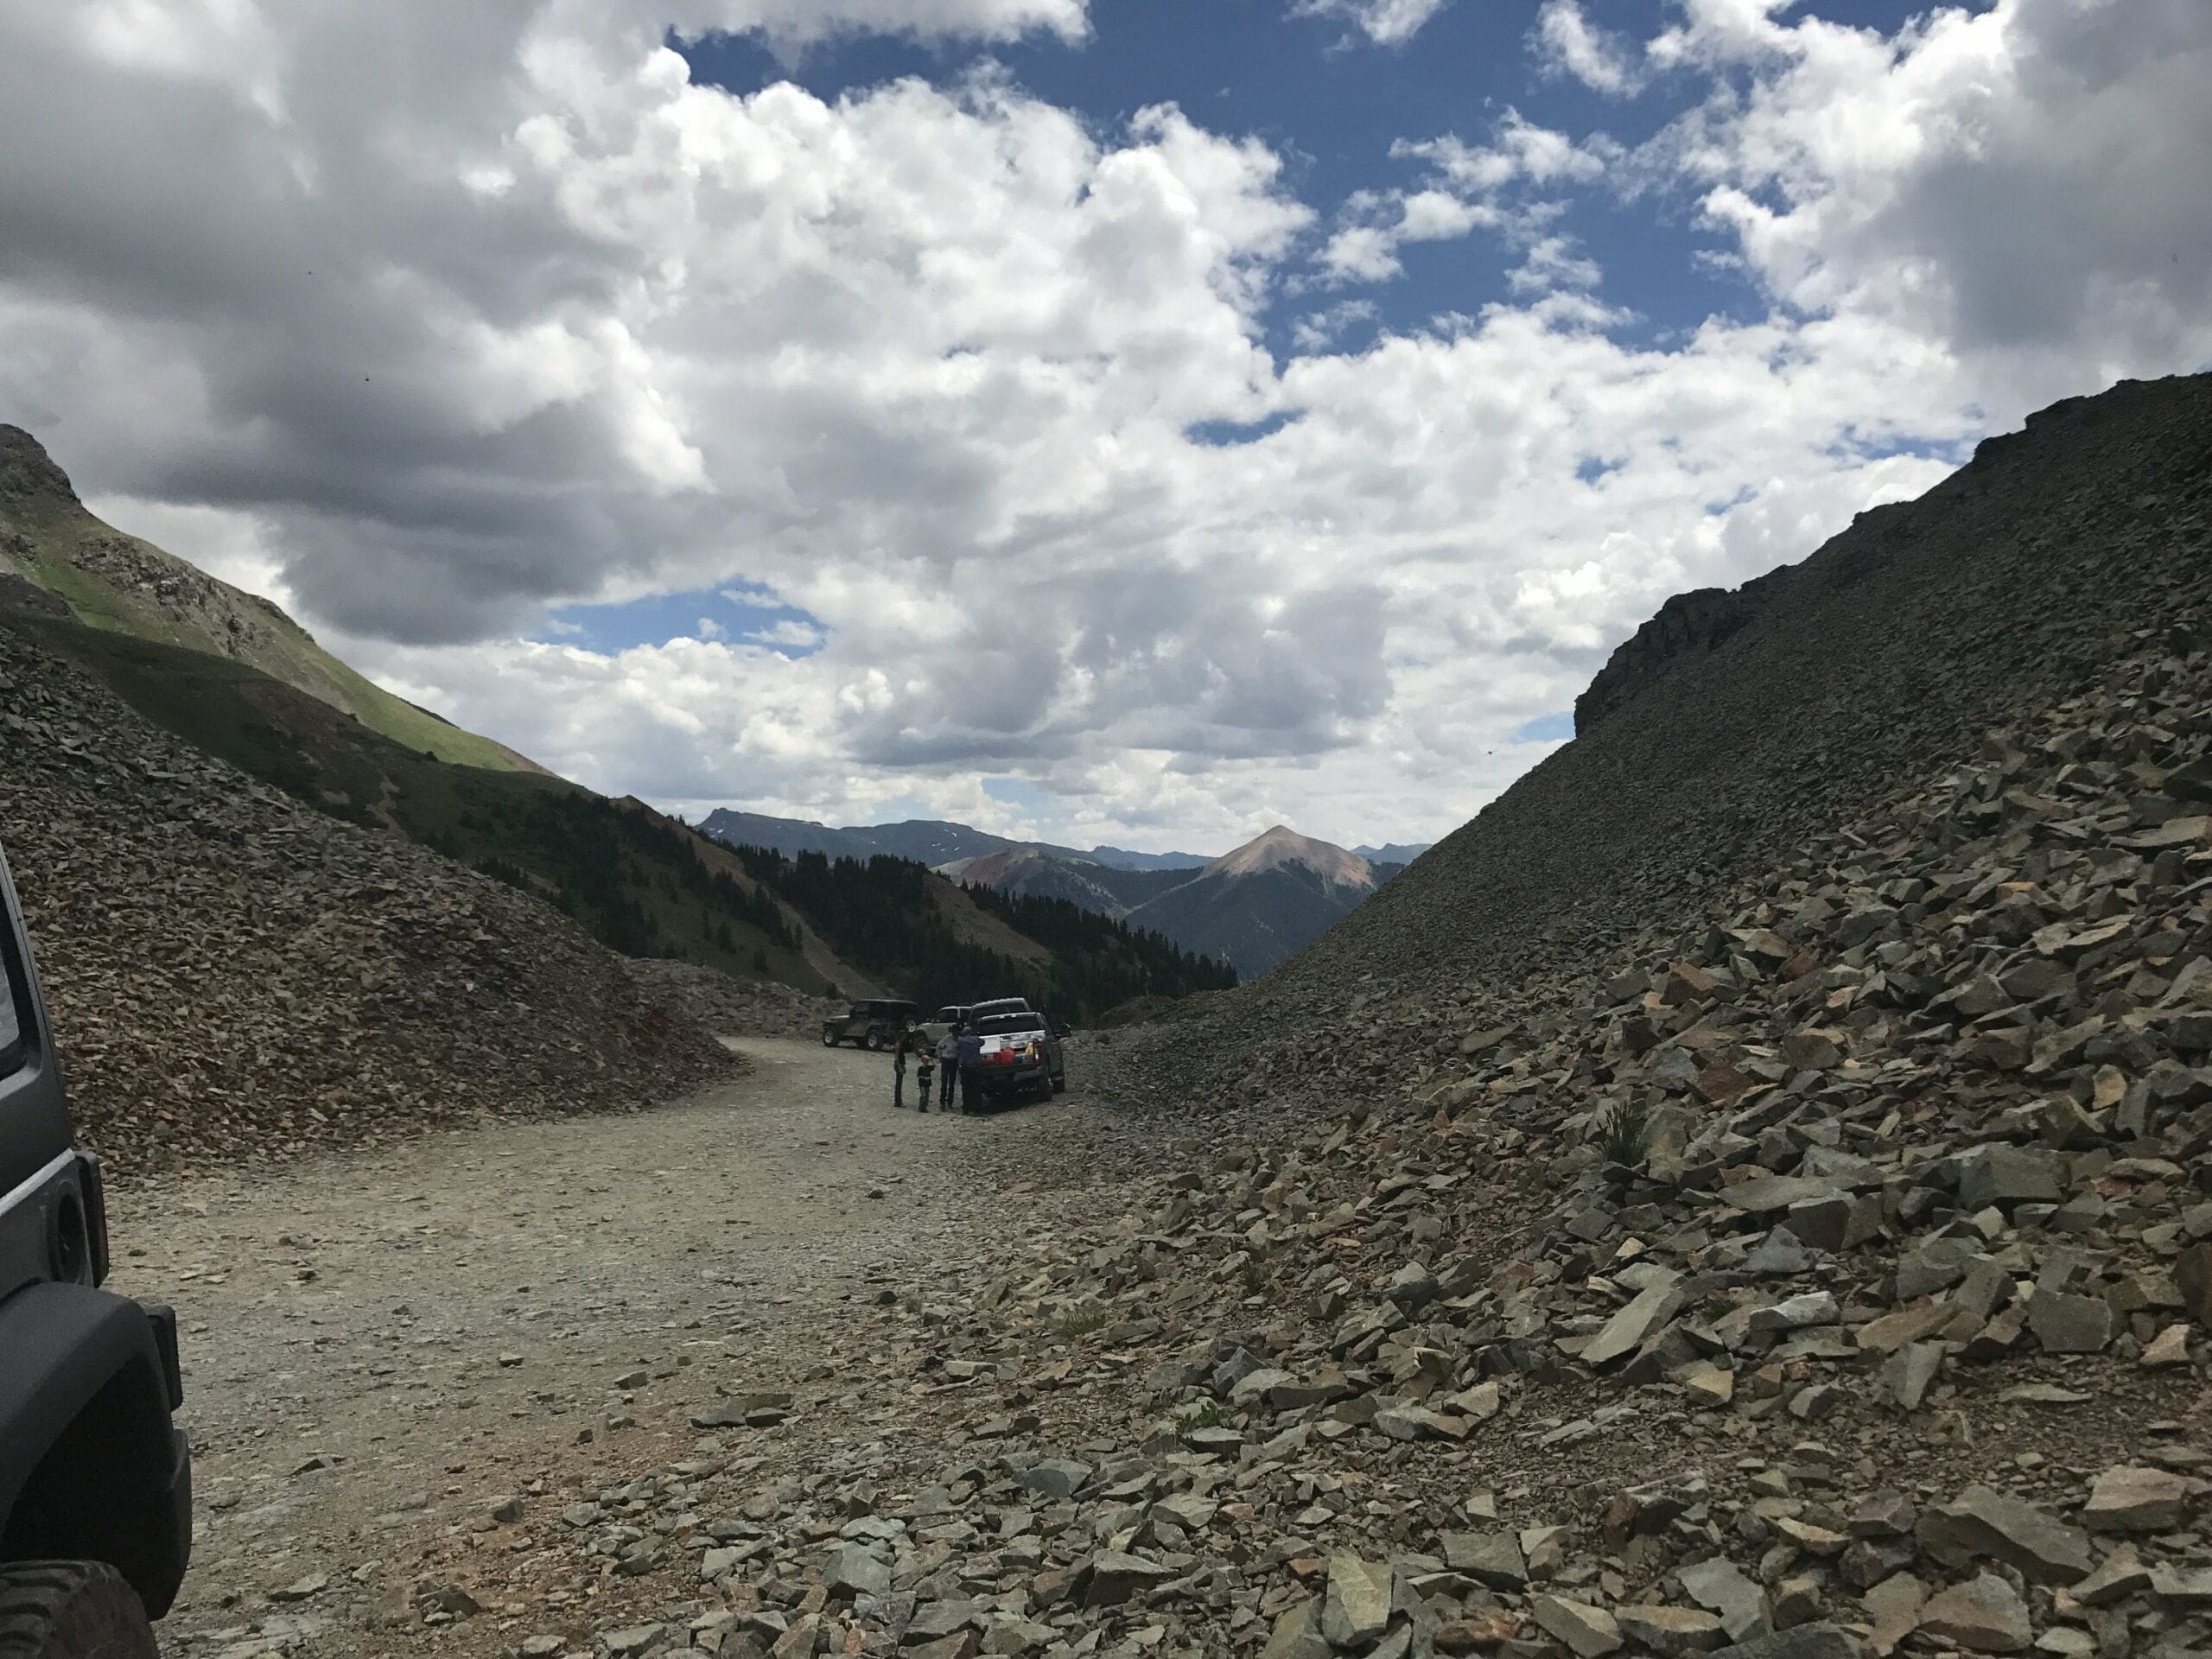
374	1342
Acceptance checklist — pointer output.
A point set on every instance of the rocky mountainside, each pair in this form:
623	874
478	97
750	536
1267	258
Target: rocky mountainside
729	1006
1716	749
637	882
236	975
117	581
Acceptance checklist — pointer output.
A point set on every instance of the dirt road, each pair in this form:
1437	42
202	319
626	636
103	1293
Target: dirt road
375	1342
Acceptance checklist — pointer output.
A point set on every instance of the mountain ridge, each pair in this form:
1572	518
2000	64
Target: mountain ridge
1250	907
120	582
940	841
934	841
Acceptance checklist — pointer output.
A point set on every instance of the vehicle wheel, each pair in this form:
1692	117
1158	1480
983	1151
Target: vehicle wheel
71	1610
874	1040
829	1039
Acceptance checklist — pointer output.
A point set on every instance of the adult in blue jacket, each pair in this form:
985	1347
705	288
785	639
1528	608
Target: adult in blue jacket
971	1062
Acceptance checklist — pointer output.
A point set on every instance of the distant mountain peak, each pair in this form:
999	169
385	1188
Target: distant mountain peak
1283	845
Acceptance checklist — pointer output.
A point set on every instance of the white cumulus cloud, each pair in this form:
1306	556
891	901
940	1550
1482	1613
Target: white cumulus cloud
433	321
1568	43
1385	22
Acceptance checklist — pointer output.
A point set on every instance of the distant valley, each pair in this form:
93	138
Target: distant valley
959	907
1250	907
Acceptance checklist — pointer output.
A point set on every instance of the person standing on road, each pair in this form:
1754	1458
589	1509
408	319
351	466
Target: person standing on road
925	1070
899	1073
971	1062
948	1061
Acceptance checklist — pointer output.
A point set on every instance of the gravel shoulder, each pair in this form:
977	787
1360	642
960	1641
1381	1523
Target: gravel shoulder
375	1343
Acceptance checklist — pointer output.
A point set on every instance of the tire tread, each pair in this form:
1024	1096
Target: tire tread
71	1610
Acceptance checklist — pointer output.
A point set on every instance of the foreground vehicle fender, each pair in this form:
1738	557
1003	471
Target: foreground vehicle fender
91	1467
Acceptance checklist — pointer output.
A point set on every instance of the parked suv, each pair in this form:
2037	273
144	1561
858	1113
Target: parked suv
956	1016
873	1024
95	1479
950	1017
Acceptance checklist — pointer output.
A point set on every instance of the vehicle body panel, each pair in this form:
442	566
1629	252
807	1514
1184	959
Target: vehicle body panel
34	1115
90	1465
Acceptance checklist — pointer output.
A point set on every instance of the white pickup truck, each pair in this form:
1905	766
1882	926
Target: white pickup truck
1022	1054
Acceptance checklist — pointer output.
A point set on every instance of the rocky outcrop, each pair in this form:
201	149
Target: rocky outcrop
1688	626
28	473
235	976
236	625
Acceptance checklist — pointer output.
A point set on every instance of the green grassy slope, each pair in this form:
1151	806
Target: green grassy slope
640	882
129	585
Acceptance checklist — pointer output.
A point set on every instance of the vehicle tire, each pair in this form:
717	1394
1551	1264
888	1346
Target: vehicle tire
874	1040
829	1039
71	1610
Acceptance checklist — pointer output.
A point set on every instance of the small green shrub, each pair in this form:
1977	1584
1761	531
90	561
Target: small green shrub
1072	1322
1622	1128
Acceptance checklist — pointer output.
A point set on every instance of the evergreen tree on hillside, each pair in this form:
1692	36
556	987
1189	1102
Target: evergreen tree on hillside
883	915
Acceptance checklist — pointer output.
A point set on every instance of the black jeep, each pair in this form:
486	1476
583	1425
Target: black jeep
95	1481
874	1023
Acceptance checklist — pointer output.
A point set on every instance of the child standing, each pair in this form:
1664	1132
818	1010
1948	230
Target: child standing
924	1070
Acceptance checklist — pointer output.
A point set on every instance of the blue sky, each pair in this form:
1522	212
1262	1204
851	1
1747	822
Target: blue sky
738	612
859	408
1315	89
1335	105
